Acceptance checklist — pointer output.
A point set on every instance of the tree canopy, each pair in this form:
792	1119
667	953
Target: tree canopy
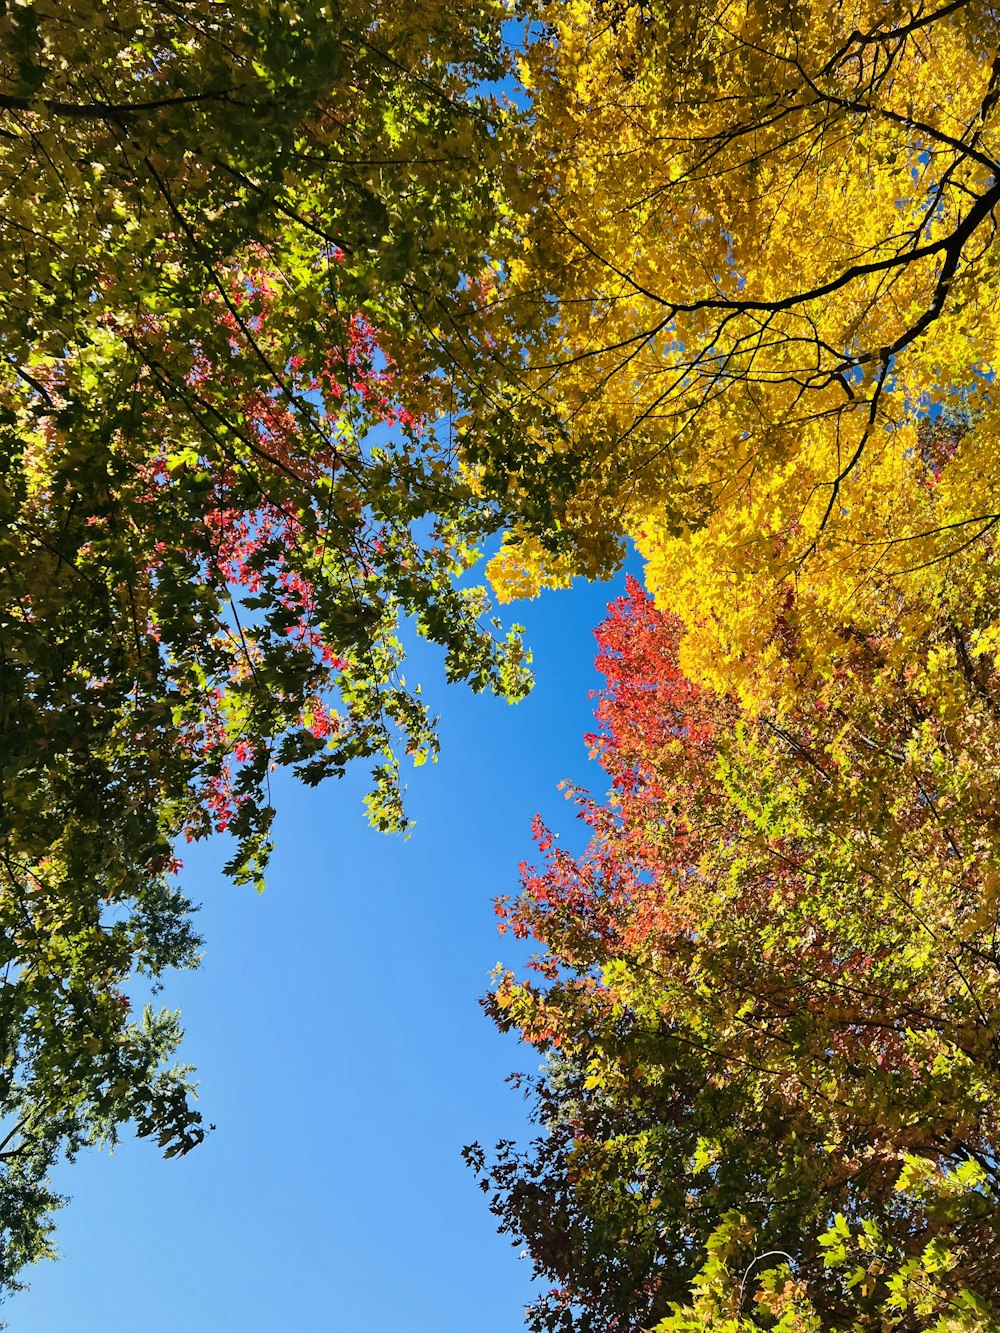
754	303
766	991
241	246
750	304
301	312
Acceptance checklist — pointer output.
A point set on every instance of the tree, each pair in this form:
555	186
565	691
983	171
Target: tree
755	306
241	246
752	319
765	990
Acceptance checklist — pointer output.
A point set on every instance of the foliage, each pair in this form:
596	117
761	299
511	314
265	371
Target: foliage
753	319
237	244
756	308
765	990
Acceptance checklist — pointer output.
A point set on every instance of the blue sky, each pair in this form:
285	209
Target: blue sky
342	1053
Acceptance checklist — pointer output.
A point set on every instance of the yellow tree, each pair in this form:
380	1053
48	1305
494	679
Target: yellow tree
758	296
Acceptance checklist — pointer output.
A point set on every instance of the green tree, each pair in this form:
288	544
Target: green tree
766	993
240	246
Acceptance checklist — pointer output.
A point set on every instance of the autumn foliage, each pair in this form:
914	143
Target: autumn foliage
226	481
307	306
755	308
765	993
